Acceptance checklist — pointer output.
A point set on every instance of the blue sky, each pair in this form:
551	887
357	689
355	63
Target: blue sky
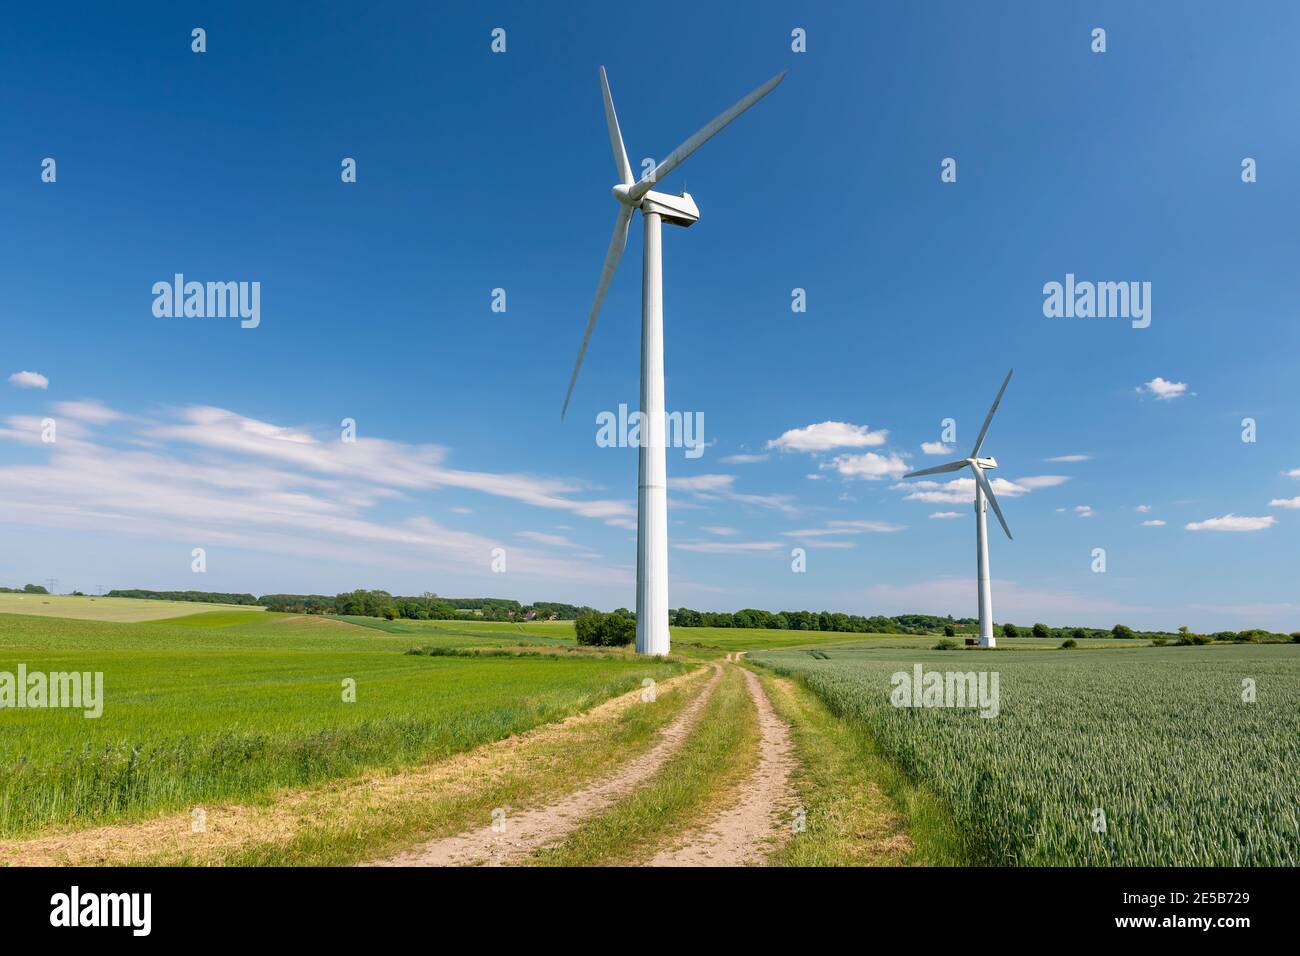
479	171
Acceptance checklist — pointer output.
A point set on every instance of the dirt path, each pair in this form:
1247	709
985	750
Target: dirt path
230	826
529	830
758	821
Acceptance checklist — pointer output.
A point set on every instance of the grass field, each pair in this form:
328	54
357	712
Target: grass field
1158	740
231	704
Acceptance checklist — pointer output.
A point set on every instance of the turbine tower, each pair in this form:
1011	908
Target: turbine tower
652	491
983	495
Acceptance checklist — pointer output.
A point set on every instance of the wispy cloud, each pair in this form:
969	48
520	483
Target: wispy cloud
743	459
936	448
729	547
1084	511
827	435
1069	459
1231	522
722	488
846	528
945	515
1153	523
962	490
1286	502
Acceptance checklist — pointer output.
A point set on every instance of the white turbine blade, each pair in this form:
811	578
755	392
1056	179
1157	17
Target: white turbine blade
703	136
615	134
988	493
987	421
617	242
938	469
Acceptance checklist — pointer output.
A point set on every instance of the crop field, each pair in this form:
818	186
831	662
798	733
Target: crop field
92	608
1144	756
232	704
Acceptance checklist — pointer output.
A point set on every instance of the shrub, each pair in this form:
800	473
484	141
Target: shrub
1069	643
1159	641
1078	634
950	631
1010	630
946	645
1040	630
1295	638
1122	632
595	629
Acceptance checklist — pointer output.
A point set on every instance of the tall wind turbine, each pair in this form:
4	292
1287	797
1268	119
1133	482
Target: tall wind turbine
983	494
652	493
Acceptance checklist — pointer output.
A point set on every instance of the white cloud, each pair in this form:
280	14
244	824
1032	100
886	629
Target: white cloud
1285	502
722	488
715	529
1164	390
961	491
1293	473
869	466
90	411
1143	509
827	435
742	459
956	595
729	547
210	475
946	514
1069	459
936	448
846	527
28	380
1231	522
462	511
1153	523
1035	482
1084	511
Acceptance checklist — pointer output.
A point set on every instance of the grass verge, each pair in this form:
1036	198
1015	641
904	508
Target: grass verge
860	809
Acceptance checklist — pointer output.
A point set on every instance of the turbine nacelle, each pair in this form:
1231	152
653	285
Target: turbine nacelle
985	463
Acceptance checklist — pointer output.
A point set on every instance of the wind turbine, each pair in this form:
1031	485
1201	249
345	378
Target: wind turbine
983	493
652	493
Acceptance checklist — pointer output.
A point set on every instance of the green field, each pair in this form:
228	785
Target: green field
234	703
1156	738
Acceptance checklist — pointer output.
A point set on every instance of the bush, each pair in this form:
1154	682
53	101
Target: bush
1078	634
595	629
950	631
1295	638
1040	630
947	645
1159	641
1186	638
1122	632
1010	630
1069	644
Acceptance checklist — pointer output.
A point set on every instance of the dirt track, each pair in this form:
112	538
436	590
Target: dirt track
528	830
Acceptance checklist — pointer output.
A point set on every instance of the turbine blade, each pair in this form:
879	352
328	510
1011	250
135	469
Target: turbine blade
703	136
615	134
617	242
938	469
988	493
987	421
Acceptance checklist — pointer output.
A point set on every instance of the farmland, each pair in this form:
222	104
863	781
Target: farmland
232	704
1121	756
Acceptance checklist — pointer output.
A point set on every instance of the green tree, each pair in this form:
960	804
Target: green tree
1040	630
1122	632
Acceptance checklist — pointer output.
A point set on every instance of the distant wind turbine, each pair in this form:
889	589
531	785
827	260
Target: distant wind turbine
983	493
652	493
